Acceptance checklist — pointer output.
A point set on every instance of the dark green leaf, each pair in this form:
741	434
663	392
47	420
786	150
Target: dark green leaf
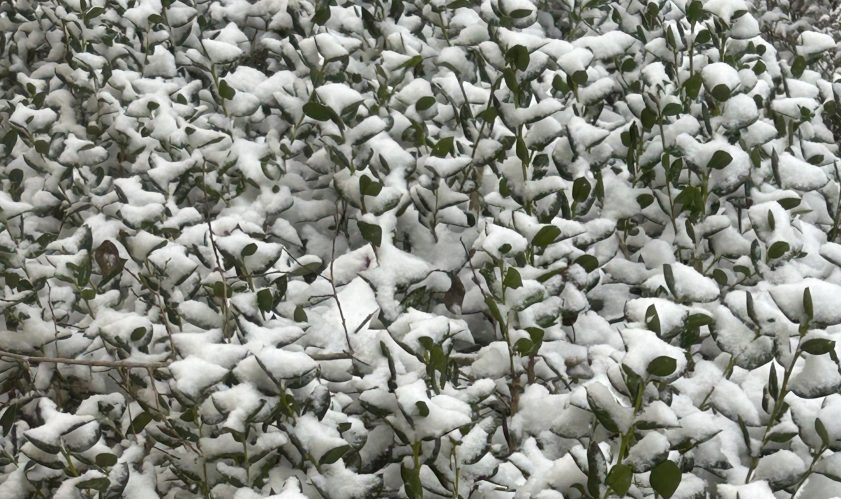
225	90
423	409
443	147
669	277
807	304
99	484
9	140
588	262
248	250
580	77
265	299
372	233
648	118
140	421
798	66
580	189
719	160
546	236
300	315
820	429
369	187
512	279
317	111
777	249
818	346
424	103
333	455
518	56
619	478
105	460
138	334
672	109
721	92
665	478
520	13
662	366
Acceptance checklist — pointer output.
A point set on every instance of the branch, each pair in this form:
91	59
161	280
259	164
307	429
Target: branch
127	364
113	364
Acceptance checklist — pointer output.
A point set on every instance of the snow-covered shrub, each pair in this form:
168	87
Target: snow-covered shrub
351	249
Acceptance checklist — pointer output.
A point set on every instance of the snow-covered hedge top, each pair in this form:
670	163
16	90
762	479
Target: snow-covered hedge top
423	249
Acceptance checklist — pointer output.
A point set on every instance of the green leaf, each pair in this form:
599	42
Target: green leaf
662	366
443	147
317	111
580	77
411	482
99	484
225	90
820	429
299	315
807	304
818	346
512	279
669	277
423	409
520	13
672	109
798	66
648	118
265	299
248	250
652	319
42	146
369	187
93	13
140	421
719	160
587	262
693	86
782	437
518	56
424	103
581	189
694	11
8	418
665	478
619	478
493	309
546	236
523	346
105	460
372	233
721	92
322	14
138	334
9	140
411	62
333	455
777	250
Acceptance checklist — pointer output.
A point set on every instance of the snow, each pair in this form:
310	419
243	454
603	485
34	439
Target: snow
719	73
813	42
193	375
826	300
220	52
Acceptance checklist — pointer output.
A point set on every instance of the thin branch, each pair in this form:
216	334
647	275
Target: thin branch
113	364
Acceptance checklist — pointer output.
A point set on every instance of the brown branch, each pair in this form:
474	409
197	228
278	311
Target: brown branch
127	364
113	364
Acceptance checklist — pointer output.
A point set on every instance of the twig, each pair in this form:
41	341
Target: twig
113	364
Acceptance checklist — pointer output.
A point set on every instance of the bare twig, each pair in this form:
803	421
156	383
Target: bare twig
113	364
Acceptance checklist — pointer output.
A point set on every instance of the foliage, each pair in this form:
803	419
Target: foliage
409	248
